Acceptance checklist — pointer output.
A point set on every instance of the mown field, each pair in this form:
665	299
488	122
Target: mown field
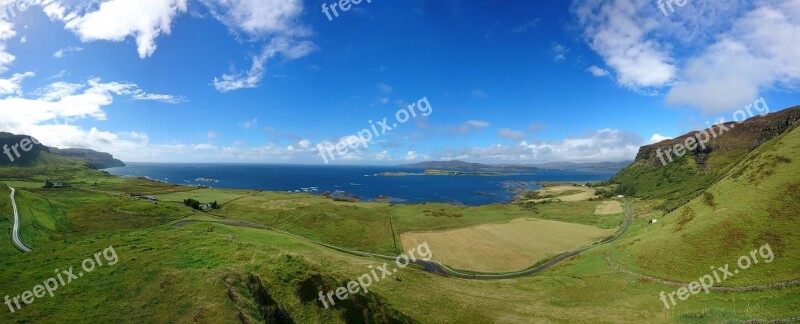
505	247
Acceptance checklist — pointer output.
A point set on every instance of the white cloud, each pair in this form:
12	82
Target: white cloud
384	88
618	31
204	147
13	85
6	32
414	156
531	24
760	52
116	20
466	128
287	48
140	95
537	127
559	52
259	18
596	71
714	56
476	123
58	75
65	51
58	90
511	134
596	146
657	138
49	117
249	124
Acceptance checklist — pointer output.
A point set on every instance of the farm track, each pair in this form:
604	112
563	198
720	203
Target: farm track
15	230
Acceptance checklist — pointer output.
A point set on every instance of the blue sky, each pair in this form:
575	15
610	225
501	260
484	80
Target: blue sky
269	81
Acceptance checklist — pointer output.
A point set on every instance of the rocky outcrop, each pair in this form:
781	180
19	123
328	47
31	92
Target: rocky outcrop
746	136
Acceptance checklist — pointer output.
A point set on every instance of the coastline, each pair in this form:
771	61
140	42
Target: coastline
461	188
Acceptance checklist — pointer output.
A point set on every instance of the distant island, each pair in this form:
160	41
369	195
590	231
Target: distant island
434	172
461	165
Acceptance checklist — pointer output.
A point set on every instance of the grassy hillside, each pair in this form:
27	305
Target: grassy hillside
756	203
686	177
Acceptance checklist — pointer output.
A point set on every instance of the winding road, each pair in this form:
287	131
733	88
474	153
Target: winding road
433	266
15	230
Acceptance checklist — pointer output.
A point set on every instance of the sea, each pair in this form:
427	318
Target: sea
362	181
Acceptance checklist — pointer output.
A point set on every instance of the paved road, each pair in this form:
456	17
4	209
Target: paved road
15	229
433	266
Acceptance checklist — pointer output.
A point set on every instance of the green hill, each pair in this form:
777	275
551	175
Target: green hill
19	150
93	159
686	177
756	202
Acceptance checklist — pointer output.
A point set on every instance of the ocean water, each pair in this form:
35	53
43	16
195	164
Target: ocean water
361	181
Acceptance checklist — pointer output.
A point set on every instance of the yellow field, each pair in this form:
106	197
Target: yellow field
550	191
505	247
609	208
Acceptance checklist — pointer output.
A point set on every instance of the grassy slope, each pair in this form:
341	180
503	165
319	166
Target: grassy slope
758	202
678	181
179	274
682	180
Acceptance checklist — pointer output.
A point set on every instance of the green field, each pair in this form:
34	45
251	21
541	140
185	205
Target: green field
212	273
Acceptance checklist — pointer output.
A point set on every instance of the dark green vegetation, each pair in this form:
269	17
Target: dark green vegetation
736	201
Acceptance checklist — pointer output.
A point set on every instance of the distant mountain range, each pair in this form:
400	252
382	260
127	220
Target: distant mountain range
461	165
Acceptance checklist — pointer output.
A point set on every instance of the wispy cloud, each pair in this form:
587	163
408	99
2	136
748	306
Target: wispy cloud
466	128
511	134
477	93
596	71
384	88
249	124
66	51
715	56
530	24
287	48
